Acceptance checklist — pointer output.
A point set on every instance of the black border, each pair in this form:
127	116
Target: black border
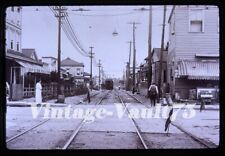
5	3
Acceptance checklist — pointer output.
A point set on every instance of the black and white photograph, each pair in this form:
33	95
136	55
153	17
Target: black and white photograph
80	77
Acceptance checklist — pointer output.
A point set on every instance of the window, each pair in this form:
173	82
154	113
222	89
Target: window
164	76
17	46
11	44
17	75
196	20
78	71
171	74
12	9
196	26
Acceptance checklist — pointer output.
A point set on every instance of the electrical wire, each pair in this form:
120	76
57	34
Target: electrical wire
69	32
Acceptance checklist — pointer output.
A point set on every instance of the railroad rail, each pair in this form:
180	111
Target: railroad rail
76	131
134	123
35	126
26	131
200	141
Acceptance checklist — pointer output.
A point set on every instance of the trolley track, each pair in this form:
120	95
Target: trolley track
200	141
65	145
85	99
138	131
37	125
26	131
76	131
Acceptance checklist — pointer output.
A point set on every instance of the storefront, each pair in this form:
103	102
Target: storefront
194	77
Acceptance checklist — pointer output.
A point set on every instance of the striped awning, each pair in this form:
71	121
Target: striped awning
33	68
198	70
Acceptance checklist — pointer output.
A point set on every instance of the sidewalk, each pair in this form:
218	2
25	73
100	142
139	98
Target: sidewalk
144	99
28	102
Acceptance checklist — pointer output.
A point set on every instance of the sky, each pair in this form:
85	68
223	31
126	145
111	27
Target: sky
95	28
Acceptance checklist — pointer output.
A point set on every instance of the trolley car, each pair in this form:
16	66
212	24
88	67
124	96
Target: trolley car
109	84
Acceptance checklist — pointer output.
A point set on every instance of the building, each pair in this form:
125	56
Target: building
13	28
74	68
193	53
52	63
23	71
22	66
155	66
142	74
87	77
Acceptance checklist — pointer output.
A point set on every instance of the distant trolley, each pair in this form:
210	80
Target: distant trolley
109	84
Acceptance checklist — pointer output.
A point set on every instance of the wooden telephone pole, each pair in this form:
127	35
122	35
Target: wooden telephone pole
91	57
150	48
61	13
134	55
128	67
99	69
161	54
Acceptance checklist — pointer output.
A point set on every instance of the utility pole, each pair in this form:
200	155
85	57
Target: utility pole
130	42
91	57
61	13
161	53
150	48
149	76
134	56
99	80
128	69
102	74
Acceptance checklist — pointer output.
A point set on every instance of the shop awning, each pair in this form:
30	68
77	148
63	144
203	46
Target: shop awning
33	68
198	70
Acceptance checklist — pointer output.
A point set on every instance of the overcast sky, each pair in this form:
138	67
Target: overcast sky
94	28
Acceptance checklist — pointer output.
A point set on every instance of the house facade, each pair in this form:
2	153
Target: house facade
52	63
13	28
155	66
22	66
74	68
193	52
23	71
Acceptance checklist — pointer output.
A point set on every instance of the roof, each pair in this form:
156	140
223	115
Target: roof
156	54
199	70
29	53
20	56
33	68
70	62
49	57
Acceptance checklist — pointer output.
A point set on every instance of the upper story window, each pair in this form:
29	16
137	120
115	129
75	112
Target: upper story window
12	9
196	20
32	56
78	71
11	44
18	9
17	46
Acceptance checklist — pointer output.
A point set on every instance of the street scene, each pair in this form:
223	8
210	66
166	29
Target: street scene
112	77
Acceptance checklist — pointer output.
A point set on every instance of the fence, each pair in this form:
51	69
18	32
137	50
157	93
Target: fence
28	92
49	91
